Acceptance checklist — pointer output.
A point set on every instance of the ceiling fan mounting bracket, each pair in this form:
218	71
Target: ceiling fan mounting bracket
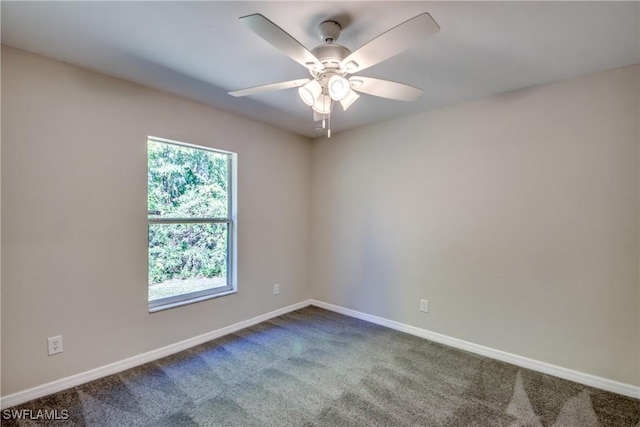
329	31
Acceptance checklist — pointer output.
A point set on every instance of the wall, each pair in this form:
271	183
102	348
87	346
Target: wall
517	216
74	230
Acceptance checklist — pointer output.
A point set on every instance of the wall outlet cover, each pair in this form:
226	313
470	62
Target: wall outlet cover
54	345
424	305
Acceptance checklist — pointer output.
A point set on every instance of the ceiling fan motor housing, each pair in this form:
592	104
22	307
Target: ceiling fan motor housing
331	54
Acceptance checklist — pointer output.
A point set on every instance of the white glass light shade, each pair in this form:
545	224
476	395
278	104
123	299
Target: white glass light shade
351	97
338	87
310	92
322	104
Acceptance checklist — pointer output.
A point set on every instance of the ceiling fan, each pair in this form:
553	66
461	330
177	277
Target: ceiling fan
330	64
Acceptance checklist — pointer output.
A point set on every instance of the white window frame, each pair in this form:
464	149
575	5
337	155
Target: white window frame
231	221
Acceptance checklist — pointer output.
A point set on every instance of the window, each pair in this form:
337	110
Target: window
191	220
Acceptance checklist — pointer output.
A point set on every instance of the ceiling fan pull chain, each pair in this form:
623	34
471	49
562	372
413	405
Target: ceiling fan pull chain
324	125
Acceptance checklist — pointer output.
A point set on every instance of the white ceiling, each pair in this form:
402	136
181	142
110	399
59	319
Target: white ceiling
200	50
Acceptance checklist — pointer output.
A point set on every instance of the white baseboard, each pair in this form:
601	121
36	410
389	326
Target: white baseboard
535	365
113	368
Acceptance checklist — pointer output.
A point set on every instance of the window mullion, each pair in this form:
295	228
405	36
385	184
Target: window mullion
189	220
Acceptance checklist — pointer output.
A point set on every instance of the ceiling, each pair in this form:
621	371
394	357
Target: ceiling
200	50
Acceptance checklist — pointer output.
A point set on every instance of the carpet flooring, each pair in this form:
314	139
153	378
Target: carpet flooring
313	367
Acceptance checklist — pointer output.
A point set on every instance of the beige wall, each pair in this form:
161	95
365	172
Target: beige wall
517	216
74	258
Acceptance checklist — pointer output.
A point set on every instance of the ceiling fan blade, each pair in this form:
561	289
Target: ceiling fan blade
270	87
391	43
280	39
384	88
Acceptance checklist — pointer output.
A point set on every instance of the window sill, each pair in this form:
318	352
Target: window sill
170	305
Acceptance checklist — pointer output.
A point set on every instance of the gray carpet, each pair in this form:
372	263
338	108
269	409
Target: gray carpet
313	367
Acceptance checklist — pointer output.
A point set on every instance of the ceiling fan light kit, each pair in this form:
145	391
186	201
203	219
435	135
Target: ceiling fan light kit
338	87
310	92
330	63
351	97
323	105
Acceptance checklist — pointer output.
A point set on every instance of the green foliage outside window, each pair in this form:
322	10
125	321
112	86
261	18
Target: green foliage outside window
185	182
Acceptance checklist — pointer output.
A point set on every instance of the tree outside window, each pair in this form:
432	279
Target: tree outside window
190	222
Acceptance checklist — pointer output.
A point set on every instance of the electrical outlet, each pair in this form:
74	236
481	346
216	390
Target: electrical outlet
424	305
55	345
276	289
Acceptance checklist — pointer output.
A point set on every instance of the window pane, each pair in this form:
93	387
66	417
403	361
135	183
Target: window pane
186	258
187	182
